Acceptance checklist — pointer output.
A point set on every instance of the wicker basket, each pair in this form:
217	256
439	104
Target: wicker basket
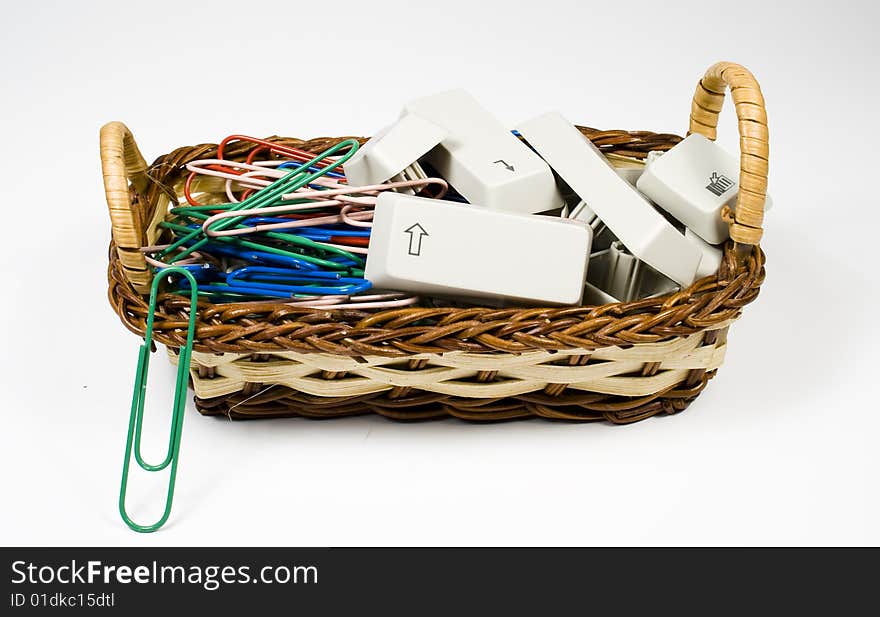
619	362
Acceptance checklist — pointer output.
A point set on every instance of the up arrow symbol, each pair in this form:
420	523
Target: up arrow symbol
416	233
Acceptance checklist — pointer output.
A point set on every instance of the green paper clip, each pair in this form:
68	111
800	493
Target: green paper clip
136	419
267	196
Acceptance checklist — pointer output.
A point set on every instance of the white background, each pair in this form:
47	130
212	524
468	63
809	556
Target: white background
780	449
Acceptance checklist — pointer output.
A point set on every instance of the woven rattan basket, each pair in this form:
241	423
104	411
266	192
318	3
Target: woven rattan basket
620	362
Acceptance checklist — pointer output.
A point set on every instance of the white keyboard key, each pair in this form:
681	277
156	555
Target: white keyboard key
437	247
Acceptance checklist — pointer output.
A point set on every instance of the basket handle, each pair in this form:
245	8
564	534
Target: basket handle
745	225
122	164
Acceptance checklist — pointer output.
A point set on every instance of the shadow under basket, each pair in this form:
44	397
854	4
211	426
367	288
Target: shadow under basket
619	362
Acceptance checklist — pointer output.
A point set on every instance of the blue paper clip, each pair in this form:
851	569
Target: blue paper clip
265	280
251	255
296	164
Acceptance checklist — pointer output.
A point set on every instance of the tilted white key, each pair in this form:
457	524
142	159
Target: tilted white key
631	217
482	160
390	151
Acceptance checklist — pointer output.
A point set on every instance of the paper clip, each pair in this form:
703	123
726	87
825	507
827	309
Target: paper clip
136	419
273	147
343	260
262	278
249	176
313	199
268	196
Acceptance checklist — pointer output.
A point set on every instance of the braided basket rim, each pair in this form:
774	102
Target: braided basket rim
264	327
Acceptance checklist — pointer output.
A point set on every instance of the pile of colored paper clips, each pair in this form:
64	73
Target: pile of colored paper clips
284	227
